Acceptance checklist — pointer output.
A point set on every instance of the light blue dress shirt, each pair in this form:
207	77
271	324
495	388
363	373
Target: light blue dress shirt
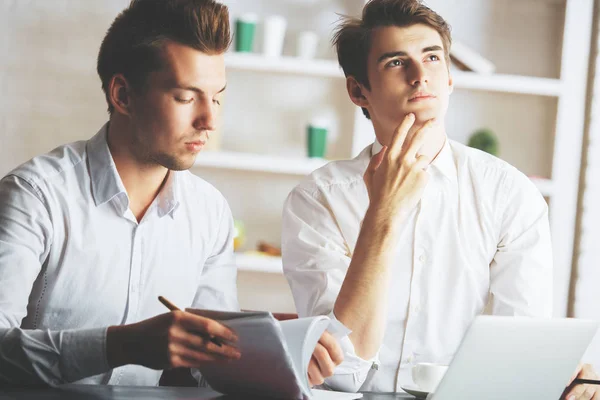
74	260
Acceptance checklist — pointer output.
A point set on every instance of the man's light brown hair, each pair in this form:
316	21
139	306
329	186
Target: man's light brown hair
352	39
133	44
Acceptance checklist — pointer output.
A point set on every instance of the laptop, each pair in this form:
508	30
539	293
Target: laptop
516	358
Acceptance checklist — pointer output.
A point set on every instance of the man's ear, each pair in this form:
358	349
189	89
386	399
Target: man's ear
356	92
119	94
450	83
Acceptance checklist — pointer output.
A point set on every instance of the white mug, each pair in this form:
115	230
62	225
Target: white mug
273	35
427	376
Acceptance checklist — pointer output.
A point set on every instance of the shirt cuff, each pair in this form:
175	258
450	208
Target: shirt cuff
352	363
83	353
199	378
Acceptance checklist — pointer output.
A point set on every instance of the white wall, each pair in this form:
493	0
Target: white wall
50	91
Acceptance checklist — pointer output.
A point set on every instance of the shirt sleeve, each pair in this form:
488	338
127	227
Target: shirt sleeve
35	356
521	273
315	261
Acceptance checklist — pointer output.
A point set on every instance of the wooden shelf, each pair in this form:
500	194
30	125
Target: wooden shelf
258	162
258	263
330	69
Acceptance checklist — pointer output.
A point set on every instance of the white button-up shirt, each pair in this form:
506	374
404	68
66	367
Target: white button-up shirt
478	240
74	260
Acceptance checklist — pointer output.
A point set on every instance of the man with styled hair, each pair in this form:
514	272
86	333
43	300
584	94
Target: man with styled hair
408	242
94	231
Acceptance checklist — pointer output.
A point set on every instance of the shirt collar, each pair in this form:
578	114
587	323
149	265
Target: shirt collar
107	183
167	199
444	162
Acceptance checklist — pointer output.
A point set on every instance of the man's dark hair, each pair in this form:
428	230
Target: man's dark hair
133	44
352	38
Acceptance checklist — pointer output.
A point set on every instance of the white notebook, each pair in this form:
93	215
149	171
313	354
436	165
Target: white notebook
275	357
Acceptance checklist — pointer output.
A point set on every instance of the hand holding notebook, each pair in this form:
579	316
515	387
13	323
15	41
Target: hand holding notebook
275	356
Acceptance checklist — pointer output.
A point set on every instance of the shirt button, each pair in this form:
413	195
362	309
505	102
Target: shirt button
409	359
416	309
422	258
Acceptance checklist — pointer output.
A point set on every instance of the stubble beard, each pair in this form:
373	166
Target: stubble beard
146	156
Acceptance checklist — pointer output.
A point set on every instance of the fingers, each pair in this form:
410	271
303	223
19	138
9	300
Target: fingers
326	357
418	140
314	374
589	393
574	393
207	326
576	373
195	342
422	162
582	392
190	343
284	316
183	357
330	344
587	372
324	362
376	160
400	134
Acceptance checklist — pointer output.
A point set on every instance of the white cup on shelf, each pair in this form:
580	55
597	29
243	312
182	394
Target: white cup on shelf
274	35
306	46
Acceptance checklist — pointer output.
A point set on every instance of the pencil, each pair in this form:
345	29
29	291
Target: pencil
173	307
586	381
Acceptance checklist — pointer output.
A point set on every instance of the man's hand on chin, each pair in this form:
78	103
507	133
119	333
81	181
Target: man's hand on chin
327	355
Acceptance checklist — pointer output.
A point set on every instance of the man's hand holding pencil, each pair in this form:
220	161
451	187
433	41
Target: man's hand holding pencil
171	340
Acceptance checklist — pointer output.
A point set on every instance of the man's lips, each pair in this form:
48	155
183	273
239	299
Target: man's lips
421	96
196	145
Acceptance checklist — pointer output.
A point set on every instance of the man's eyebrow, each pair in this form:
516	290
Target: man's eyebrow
432	48
196	89
393	54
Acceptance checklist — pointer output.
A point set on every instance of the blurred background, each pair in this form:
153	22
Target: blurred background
526	90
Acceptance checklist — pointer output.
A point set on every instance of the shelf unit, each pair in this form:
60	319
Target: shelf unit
289	65
259	162
330	69
258	263
545	186
292	166
559	92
